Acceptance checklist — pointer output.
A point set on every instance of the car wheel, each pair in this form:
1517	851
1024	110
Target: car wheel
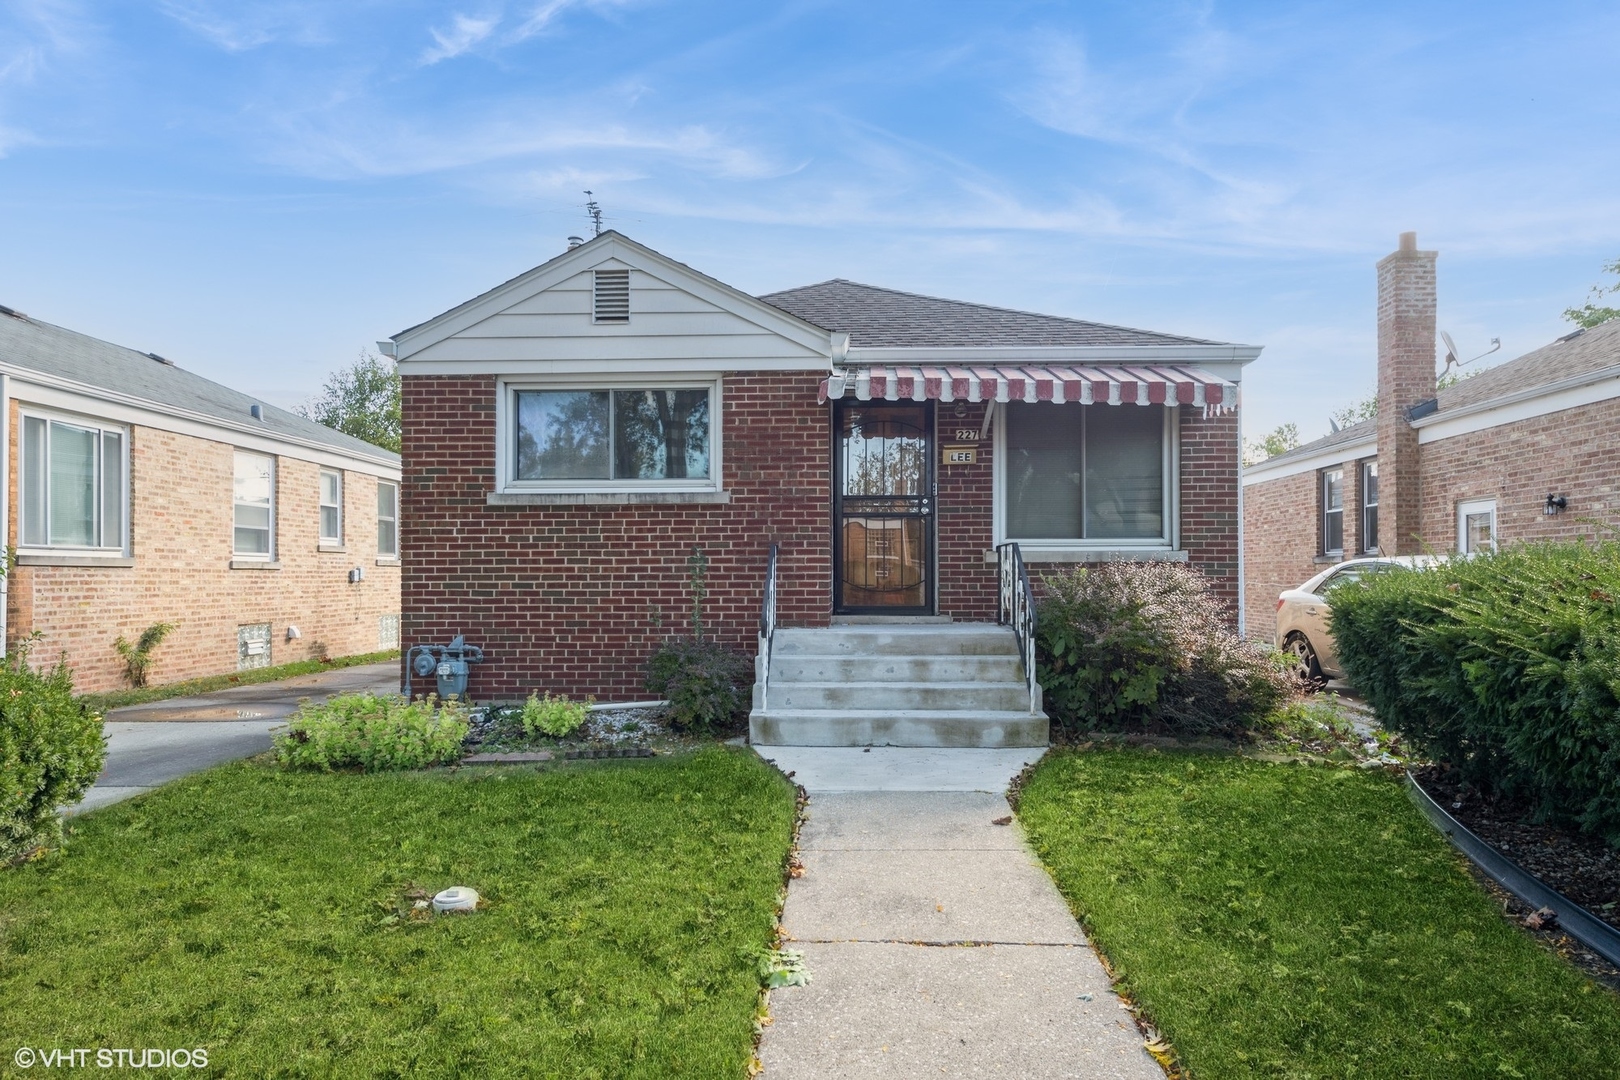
1306	668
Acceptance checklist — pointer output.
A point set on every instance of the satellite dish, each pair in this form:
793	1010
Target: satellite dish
1452	356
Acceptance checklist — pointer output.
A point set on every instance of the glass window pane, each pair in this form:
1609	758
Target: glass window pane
1333	489
387	537
329	523
660	434
562	435
884	453
1479	531
1124	472
329	488
33	481
1370	481
72	486
1043	471
254	483
112	489
386	500
1333	531
252	541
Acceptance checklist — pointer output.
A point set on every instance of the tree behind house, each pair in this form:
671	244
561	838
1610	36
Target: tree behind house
360	400
1590	314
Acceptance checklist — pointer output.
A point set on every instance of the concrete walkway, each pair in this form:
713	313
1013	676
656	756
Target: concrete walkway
936	944
149	745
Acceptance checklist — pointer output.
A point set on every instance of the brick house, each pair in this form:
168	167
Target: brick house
138	492
1528	449
579	438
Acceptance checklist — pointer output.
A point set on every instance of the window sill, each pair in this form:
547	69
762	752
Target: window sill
75	560
605	498
255	564
1094	555
388	560
327	545
1330	557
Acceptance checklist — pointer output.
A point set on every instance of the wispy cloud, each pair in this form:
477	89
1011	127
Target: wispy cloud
239	27
464	33
543	15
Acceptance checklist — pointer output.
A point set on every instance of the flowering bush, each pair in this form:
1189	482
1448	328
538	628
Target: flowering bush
373	732
1144	646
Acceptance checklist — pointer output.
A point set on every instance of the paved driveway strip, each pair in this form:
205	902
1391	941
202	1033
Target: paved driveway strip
936	944
149	745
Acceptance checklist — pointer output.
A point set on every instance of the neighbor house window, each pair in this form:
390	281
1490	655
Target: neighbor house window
1332	511
1082	473
331	507
255	509
1369	506
1476	526
626	438
74	491
387	520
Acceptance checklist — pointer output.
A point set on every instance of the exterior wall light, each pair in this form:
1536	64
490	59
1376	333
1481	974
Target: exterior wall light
1556	504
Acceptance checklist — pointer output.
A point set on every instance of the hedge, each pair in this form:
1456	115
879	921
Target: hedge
1506	666
51	751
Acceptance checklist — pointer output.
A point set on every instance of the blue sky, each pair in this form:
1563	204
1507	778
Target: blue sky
259	189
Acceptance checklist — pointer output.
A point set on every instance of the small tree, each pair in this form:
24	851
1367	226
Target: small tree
138	657
1590	314
360	400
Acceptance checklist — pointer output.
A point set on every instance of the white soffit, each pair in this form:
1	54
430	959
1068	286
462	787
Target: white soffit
1259	472
1586	389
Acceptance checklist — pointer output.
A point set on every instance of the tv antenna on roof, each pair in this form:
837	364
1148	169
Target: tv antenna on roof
593	211
1451	352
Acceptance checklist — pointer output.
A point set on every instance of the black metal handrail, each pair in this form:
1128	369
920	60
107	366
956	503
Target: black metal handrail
1017	609
767	631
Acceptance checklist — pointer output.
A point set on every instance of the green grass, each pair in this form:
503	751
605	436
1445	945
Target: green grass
1305	922
255	912
116	699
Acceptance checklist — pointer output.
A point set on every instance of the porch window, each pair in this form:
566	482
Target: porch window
74	491
1087	473
1332	511
624	438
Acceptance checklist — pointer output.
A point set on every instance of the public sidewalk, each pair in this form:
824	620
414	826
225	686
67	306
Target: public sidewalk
149	745
935	943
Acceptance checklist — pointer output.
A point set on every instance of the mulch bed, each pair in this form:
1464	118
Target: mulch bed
1583	868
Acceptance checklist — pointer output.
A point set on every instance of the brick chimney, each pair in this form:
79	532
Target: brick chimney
1406	333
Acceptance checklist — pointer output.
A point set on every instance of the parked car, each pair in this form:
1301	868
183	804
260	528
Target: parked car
1302	613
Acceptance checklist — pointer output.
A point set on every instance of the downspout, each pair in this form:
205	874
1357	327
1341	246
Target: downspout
1243	620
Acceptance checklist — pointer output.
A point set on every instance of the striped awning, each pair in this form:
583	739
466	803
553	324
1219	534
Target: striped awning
1092	385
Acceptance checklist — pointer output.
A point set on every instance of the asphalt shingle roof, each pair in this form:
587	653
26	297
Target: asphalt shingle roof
54	350
1571	355
876	318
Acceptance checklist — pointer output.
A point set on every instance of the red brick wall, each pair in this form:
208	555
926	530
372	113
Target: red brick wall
1209	502
1406	334
967	584
1281	538
180	535
1570	453
575	598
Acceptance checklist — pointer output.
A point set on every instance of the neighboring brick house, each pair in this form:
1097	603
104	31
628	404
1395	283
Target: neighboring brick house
138	493
1528	449
578	439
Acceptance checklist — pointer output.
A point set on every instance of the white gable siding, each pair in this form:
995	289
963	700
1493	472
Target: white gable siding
554	328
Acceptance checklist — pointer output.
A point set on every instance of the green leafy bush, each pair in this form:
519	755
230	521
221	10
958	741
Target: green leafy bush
373	732
138	656
554	716
1505	665
1144	646
708	685
51	751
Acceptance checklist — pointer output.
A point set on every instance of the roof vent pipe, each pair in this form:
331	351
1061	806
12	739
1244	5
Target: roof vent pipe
574	242
256	411
165	361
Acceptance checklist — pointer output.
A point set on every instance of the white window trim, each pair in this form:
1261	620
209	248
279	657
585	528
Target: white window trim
275	472
505	433
394	554
121	550
321	504
1369	543
1171	505
1474	506
1322	510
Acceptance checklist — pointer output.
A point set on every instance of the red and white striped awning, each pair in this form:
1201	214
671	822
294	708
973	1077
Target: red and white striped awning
1098	385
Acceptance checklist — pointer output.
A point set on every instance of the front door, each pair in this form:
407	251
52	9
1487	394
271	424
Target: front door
883	507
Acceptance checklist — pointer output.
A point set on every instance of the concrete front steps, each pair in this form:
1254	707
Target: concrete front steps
931	684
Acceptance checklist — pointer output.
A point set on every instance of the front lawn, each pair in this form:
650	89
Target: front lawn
1304	922
268	917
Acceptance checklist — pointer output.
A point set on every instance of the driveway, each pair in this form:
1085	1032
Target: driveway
149	745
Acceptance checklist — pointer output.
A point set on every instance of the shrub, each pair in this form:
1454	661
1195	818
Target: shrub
554	716
373	732
1144	646
708	684
1506	666
138	657
51	751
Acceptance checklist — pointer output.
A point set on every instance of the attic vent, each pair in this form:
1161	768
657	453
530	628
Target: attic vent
612	296
161	359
